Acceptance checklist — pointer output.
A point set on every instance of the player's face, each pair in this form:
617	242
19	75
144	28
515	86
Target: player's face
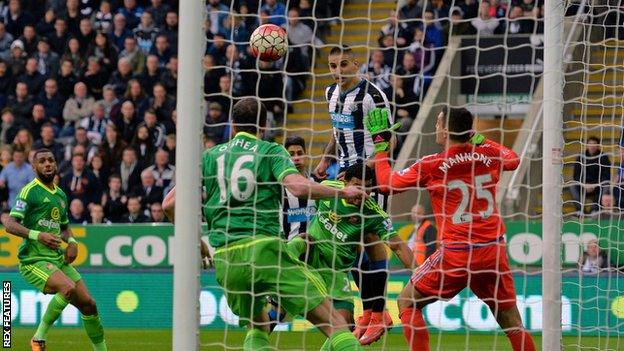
299	157
441	131
343	68
45	166
365	186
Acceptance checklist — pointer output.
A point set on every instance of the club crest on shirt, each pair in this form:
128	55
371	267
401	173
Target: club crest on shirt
333	217
55	213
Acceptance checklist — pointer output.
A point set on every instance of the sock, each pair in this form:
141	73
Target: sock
341	341
520	340
95	331
54	310
376	284
256	339
414	329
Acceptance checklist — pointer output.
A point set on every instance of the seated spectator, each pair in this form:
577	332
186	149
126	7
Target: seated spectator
498	9
30	39
87	148
74	54
218	49
162	170
135	94
37	120
157	215
96	166
95	78
142	144
17	59
102	19
112	105
377	71
77	214
47	141
114	201
608	208
148	193
79	106
171	29
80	183
155	129
151	74
96	215
119	79
458	25
158	10
618	189
211	76
217	13
145	34
111	148
162	50
58	39
134	55
530	8
423	53
276	11
16	19
440	11
235	29
127	123
21	103
23	140
431	28
224	97
410	11
216	124
86	36
404	102
170	146
591	175
135	213
72	13
105	52
7	83
593	259
6	39
399	30
120	32
129	170
9	127
410	73
47	61
163	105
66	80
32	78
517	23
132	12
95	125
484	24
300	34
169	79
52	102
16	175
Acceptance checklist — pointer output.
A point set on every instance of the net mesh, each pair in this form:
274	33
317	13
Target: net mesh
487	57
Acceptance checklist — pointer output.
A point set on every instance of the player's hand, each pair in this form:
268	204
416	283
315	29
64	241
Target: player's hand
477	138
205	254
353	193
71	252
377	124
50	240
320	172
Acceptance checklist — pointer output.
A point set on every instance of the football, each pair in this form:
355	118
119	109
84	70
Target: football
269	42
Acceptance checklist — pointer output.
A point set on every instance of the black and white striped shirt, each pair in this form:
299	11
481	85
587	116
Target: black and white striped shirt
347	111
296	214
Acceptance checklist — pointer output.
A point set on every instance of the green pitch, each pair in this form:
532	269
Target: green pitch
160	340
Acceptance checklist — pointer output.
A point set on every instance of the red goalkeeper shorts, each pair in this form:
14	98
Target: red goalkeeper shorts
485	269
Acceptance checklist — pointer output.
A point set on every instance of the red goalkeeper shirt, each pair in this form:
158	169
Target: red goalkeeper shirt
462	184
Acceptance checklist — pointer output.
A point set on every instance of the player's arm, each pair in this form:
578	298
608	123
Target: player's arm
302	187
71	252
402	251
13	226
320	172
509	158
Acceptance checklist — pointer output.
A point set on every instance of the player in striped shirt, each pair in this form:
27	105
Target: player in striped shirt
296	211
350	99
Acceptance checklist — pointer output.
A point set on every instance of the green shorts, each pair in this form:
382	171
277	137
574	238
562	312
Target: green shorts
251	269
37	273
337	282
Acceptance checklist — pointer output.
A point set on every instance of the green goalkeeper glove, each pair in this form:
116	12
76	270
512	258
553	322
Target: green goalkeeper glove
377	124
477	139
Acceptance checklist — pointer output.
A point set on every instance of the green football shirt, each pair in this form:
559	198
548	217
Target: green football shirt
242	180
39	208
339	226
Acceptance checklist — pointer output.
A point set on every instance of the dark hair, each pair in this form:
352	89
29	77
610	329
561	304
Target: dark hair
593	138
37	152
295	140
114	175
342	49
249	114
359	171
459	123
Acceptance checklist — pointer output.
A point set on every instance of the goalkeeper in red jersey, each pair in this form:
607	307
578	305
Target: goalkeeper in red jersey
461	181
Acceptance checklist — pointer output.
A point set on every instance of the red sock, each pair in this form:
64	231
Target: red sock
520	340
414	329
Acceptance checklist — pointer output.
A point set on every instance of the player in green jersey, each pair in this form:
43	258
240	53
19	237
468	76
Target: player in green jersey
243	181
339	229
40	217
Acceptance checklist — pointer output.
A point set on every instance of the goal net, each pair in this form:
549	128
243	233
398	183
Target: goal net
486	56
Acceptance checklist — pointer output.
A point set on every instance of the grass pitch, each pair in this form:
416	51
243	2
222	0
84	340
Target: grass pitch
75	339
